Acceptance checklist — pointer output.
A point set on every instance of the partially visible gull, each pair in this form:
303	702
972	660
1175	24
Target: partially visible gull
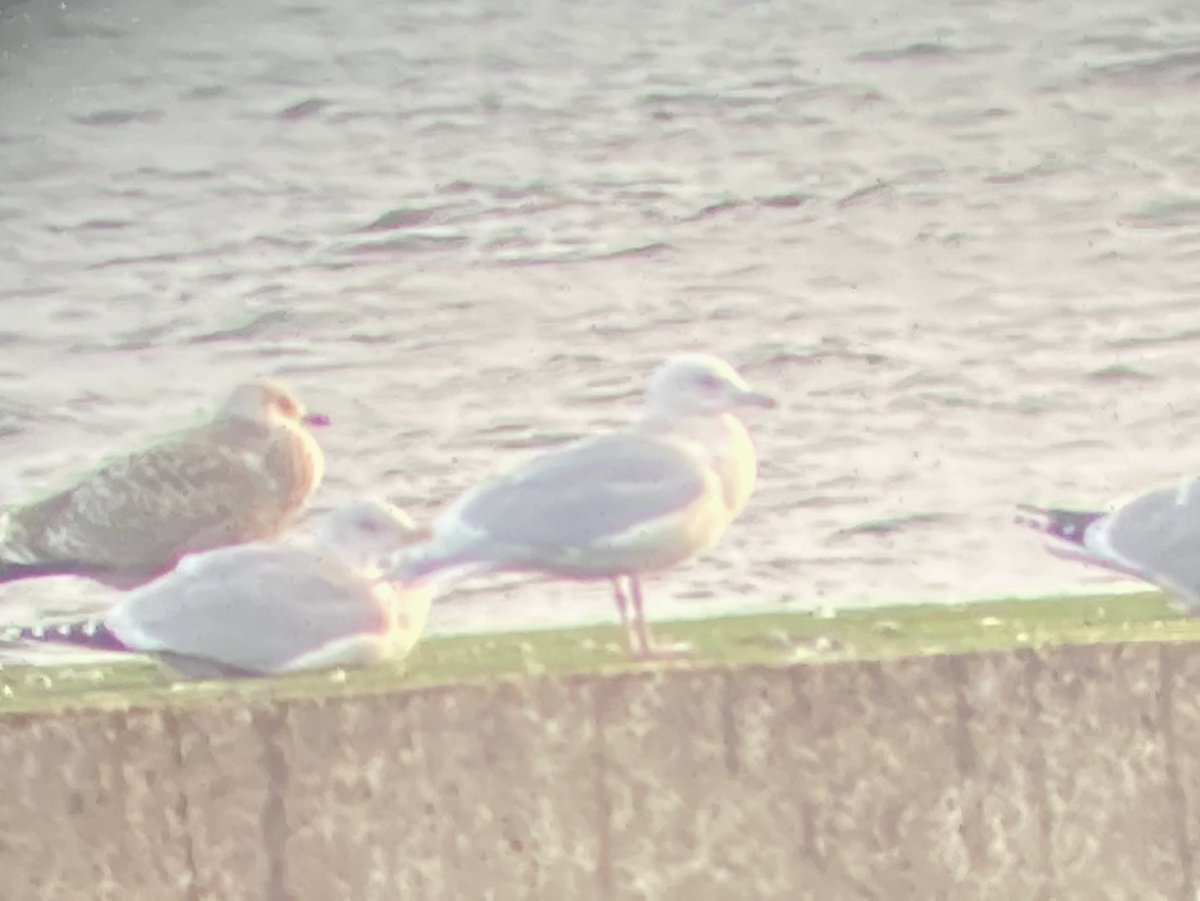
614	507
264	608
244	475
1155	537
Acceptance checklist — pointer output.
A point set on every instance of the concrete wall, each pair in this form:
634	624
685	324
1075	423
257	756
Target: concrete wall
1068	773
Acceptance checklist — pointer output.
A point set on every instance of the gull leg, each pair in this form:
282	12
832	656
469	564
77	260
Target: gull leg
649	648
631	638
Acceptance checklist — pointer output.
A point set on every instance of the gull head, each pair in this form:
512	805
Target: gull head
701	385
367	532
267	400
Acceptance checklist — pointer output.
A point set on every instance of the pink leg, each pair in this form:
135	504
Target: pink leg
648	648
631	639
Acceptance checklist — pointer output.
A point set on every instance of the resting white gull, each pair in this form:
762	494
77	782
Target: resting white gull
264	608
614	507
242	476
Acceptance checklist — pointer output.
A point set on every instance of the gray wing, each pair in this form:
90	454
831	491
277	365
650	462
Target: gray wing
1159	532
585	492
253	608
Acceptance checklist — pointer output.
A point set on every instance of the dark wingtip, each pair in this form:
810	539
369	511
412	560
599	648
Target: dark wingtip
85	633
1066	525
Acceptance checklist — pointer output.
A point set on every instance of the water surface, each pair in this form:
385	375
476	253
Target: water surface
961	240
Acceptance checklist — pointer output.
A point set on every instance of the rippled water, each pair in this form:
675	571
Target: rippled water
962	239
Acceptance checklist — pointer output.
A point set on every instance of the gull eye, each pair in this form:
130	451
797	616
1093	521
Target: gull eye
709	383
369	526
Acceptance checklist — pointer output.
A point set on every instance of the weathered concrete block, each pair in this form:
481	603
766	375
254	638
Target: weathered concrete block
1055	774
227	790
91	808
472	791
1177	715
1107	803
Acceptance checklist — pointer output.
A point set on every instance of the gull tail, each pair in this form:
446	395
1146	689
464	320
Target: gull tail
1070	526
13	571
91	634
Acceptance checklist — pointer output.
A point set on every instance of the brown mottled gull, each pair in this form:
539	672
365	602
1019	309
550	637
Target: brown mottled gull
634	501
263	608
242	476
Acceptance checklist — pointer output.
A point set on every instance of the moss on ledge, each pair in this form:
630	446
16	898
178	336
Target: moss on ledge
759	639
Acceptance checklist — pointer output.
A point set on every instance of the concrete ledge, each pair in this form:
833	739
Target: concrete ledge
1054	774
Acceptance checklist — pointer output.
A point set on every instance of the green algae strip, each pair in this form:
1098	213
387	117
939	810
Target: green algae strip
772	639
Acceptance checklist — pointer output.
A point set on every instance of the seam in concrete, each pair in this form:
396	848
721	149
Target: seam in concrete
808	844
270	722
182	807
811	844
1176	797
1038	797
604	854
729	726
966	758
118	759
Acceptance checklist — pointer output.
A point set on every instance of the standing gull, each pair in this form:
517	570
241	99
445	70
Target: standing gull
1155	537
613	507
242	476
263	608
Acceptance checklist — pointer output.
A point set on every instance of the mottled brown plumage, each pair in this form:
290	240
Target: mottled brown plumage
243	476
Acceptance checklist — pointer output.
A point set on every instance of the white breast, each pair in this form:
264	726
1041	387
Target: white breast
723	445
737	465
